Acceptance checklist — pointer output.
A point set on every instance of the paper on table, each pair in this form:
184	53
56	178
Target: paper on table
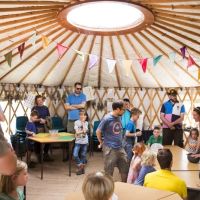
114	197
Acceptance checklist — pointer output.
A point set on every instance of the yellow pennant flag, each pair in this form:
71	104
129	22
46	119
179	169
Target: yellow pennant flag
199	74
127	66
45	41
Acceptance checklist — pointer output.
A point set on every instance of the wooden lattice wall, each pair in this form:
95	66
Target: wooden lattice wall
148	100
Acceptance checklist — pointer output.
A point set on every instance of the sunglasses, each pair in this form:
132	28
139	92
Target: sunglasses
78	88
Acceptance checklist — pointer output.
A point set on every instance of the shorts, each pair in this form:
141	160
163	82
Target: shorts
115	158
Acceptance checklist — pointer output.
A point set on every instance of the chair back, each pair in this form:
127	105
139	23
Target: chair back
57	123
21	122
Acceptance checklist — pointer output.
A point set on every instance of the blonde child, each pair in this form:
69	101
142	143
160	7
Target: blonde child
81	142
156	137
193	146
98	186
9	184
135	165
148	162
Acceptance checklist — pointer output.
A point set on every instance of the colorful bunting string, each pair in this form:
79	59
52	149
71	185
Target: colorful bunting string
156	59
81	55
127	66
8	58
61	49
111	65
92	61
21	49
190	61
183	51
45	41
143	63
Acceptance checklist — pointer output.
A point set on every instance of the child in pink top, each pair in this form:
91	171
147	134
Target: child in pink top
135	165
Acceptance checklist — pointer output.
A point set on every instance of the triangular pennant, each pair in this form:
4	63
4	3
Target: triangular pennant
8	58
21	49
92	60
61	49
111	65
190	61
183	51
127	66
172	56
199	74
45	41
156	59
81	55
143	63
32	39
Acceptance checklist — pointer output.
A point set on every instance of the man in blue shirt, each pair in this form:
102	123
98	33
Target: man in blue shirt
172	116
74	102
114	153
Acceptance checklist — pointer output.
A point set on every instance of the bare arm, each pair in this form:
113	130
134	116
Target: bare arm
69	107
79	106
128	134
30	133
99	136
2	117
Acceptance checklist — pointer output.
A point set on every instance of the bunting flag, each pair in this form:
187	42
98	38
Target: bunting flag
81	55
33	39
92	60
21	49
61	49
143	63
183	51
8	58
172	56
190	61
127	65
111	65
199	74
156	59
45	41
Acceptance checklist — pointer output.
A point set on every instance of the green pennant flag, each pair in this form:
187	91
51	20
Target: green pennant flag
156	60
8	58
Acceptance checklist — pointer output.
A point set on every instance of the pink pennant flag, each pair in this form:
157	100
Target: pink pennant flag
190	61
92	61
21	49
183	51
143	63
61	49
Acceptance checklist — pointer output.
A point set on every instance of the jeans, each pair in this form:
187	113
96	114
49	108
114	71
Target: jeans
82	148
128	148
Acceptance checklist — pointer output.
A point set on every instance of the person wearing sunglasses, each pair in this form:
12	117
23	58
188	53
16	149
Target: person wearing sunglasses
74	102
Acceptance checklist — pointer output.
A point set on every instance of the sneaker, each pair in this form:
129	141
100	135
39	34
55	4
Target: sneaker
47	158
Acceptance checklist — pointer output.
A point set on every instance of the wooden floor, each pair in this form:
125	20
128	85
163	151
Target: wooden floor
56	184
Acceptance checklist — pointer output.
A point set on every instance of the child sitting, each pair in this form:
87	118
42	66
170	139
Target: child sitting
192	146
156	137
31	130
135	165
81	142
9	184
148	161
98	186
131	133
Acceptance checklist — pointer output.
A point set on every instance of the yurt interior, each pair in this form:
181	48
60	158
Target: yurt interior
99	99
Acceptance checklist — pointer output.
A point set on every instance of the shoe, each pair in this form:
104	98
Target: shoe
47	158
82	168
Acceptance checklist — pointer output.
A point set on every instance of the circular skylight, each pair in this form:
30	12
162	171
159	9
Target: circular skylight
105	16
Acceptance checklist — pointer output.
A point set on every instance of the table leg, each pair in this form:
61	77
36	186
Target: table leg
70	156
41	156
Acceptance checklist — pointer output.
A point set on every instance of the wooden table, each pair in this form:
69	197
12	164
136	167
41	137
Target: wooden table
126	191
180	161
46	138
191	178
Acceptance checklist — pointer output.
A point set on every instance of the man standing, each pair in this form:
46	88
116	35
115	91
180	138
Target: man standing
114	153
172	116
74	103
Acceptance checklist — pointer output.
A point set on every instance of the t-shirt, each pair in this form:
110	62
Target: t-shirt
6	197
111	128
78	126
30	126
143	172
192	145
73	99
166	180
43	113
153	140
172	112
130	128
126	118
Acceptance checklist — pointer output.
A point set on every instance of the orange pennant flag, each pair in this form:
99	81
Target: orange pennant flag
45	41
